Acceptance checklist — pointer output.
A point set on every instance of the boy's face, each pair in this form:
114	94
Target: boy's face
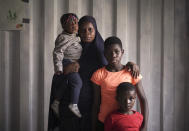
114	54
128	103
71	26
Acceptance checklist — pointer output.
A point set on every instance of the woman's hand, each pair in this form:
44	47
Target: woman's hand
133	68
70	68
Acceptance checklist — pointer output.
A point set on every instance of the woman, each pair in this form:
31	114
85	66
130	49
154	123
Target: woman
91	59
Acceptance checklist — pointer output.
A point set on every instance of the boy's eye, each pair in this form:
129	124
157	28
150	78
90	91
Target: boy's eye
117	52
131	98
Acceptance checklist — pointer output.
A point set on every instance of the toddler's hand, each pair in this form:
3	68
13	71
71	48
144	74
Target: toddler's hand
58	72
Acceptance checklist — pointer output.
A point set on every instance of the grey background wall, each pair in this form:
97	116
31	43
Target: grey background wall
155	36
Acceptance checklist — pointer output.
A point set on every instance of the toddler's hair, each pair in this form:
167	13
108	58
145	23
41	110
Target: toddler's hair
122	89
65	18
112	40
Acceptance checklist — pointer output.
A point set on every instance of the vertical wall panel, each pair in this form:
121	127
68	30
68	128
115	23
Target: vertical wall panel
2	81
98	13
180	65
153	33
187	65
109	18
146	36
49	38
121	25
155	62
131	30
168	87
14	51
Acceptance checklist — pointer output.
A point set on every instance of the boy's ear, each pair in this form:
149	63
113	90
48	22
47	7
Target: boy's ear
122	51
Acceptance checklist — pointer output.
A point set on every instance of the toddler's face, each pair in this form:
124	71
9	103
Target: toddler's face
71	26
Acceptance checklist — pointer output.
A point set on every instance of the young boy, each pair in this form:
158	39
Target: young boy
124	119
67	50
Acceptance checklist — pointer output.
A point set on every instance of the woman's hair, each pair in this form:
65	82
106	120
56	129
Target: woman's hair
66	17
86	19
122	89
112	40
96	47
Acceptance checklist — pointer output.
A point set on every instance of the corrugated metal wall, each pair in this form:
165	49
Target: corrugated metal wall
154	33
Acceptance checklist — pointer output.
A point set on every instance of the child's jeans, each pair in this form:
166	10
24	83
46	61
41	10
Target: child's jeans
73	81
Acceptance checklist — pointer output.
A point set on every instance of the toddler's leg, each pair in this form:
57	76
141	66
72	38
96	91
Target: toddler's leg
75	83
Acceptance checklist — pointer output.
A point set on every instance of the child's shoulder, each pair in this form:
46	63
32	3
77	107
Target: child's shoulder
138	114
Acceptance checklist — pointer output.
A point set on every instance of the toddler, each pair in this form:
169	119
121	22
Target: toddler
67	50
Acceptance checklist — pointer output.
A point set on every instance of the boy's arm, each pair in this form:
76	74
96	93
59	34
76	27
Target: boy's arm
133	68
108	124
96	105
143	104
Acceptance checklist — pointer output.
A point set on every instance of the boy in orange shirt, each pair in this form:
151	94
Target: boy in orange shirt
105	81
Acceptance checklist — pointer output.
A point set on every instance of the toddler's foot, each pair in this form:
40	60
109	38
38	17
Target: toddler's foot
55	107
74	108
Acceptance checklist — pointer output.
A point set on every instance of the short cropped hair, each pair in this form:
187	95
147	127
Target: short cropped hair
112	40
122	89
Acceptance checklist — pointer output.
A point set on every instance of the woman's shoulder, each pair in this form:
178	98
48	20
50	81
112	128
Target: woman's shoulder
101	72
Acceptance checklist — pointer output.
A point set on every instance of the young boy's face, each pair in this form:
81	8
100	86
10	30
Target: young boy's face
114	54
71	26
130	98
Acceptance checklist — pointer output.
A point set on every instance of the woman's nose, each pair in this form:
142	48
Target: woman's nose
87	32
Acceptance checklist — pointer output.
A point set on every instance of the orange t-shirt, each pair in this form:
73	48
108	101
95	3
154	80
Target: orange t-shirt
108	81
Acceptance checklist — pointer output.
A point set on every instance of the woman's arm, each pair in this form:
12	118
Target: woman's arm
143	104
96	105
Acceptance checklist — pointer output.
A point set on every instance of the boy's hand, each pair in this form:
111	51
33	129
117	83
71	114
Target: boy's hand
133	68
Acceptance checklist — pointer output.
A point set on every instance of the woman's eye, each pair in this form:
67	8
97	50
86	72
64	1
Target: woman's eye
90	29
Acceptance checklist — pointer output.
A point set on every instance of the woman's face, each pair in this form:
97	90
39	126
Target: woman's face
87	32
